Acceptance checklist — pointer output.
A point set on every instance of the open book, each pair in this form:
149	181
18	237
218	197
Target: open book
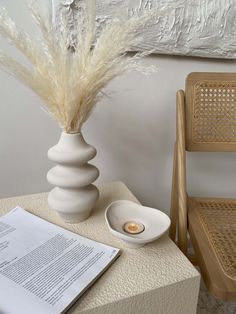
45	268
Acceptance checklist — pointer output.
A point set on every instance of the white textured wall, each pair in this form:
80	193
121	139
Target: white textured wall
183	27
194	27
134	131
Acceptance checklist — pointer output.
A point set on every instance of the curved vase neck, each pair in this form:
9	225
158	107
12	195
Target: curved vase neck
72	149
71	139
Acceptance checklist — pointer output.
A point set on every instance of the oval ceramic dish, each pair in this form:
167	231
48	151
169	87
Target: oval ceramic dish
118	213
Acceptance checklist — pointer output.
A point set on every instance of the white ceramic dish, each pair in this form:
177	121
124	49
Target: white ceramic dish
156	223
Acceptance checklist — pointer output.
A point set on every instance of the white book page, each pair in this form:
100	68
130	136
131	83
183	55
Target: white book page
44	268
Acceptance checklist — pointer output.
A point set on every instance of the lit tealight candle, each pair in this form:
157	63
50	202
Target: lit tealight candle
133	227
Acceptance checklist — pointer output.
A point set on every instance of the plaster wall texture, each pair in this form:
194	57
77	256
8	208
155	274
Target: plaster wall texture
133	131
181	27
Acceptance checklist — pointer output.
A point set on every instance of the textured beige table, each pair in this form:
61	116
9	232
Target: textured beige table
155	279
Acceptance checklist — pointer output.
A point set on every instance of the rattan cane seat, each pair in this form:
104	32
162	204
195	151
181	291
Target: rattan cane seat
212	226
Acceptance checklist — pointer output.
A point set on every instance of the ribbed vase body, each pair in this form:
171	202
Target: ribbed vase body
74	195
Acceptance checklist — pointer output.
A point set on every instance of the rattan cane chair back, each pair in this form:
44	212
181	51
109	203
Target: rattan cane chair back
211	112
206	121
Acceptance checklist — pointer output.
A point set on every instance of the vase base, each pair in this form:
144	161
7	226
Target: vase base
74	218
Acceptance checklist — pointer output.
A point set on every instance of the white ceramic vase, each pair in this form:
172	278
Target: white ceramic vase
74	195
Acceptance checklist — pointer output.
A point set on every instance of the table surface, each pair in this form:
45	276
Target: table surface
153	266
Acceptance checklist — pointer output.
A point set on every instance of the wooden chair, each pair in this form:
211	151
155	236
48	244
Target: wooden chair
206	122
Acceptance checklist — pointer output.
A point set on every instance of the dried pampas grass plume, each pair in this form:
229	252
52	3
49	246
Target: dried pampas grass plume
70	78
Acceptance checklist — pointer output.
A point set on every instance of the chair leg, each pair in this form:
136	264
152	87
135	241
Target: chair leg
174	199
181	166
192	258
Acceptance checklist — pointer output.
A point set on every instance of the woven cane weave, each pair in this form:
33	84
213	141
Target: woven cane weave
219	221
214	112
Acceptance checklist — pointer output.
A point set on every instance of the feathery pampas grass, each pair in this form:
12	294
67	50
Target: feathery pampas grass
70	78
